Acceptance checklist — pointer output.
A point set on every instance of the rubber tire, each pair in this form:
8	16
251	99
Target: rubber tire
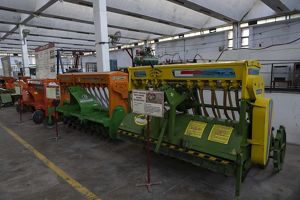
38	116
280	146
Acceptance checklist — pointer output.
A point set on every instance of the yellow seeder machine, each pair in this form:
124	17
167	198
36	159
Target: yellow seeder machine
215	116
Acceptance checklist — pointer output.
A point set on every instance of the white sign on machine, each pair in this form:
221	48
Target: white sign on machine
52	91
147	102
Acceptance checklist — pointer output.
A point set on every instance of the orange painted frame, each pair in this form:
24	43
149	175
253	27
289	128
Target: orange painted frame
116	82
34	94
8	82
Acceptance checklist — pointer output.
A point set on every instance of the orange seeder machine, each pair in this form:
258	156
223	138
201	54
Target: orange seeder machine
34	97
7	82
96	101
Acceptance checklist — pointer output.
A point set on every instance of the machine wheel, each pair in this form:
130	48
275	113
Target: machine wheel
279	149
38	116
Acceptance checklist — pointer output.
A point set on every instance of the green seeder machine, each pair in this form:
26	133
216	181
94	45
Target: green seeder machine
6	97
93	101
227	137
6	91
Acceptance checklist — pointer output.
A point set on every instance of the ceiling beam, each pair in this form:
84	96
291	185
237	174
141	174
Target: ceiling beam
33	46
134	14
109	25
198	8
45	41
277	6
74	20
46	31
31	16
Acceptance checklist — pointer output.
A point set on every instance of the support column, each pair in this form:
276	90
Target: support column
101	35
25	56
236	35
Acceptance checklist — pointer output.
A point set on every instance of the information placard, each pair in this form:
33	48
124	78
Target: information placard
148	102
52	93
45	61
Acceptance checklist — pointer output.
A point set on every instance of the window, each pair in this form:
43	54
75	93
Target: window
295	16
225	28
244	25
91	67
230	39
245	38
277	19
191	34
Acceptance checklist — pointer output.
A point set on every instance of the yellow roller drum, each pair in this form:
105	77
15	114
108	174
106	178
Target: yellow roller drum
261	130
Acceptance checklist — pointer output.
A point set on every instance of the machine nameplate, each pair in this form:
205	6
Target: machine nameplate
118	78
195	129
220	134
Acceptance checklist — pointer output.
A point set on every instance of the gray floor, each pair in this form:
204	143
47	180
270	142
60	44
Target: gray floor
112	169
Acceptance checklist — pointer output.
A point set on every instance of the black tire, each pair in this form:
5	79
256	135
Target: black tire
279	149
38	116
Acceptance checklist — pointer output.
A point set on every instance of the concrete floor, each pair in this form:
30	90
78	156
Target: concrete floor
112	169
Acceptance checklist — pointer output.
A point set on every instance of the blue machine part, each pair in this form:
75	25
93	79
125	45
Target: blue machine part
252	71
140	74
204	73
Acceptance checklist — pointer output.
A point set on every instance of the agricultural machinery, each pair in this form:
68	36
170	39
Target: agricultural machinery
93	101
6	90
7	82
34	97
215	115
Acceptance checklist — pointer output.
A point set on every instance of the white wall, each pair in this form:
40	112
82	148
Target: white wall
15	59
208	45
287	113
122	57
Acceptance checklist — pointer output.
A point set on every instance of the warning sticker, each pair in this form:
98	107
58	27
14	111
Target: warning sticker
220	134
195	129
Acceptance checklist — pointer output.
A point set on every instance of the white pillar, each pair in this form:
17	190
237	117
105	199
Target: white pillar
101	35
236	36
25	57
